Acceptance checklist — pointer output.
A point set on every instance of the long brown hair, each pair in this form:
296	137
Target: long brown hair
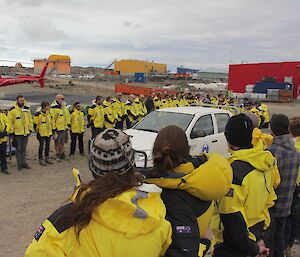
96	192
170	149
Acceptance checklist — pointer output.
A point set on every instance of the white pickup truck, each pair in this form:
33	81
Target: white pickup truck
203	126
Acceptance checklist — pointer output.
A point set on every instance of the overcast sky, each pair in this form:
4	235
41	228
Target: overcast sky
194	33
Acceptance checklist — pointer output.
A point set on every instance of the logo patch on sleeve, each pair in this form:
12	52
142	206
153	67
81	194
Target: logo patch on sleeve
230	193
39	233
183	229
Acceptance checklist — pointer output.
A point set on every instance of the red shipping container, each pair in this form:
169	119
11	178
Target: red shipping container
241	75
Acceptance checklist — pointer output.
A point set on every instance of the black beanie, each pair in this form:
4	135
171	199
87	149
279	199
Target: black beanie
280	124
238	131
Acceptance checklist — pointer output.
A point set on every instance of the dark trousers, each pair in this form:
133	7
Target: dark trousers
96	131
3	163
223	250
44	146
74	137
275	237
120	125
291	229
21	142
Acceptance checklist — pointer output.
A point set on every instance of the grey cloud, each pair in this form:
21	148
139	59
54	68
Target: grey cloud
200	33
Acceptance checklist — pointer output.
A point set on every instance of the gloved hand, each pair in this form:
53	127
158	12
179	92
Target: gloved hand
3	134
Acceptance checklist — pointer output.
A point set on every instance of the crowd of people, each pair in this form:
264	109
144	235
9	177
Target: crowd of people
58	121
246	205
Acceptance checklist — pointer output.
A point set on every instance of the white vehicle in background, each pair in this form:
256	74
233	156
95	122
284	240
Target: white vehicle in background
204	128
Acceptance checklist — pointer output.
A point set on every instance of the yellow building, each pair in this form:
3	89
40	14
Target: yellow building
136	66
58	64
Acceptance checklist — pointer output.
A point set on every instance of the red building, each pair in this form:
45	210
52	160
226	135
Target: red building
241	75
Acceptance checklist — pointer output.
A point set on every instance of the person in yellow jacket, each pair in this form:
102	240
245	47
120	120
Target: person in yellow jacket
175	102
96	116
139	107
265	118
109	113
119	106
242	216
130	115
143	107
77	128
21	126
258	137
5	129
157	102
114	215
189	185
43	128
61	123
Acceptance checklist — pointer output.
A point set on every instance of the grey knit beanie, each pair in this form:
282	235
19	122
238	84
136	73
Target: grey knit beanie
111	151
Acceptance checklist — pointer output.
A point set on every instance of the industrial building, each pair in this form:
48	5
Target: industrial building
241	75
130	67
182	70
58	64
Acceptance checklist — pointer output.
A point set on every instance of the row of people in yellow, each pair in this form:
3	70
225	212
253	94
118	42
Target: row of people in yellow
114	113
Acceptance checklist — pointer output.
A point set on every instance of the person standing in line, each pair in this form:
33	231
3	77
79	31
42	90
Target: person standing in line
109	113
149	104
43	127
118	107
242	215
288	164
22	125
77	128
96	116
61	124
4	131
293	221
130	115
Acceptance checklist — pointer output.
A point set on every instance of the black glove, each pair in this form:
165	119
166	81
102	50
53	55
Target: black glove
3	134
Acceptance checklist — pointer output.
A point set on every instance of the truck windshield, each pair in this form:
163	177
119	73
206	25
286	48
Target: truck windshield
157	120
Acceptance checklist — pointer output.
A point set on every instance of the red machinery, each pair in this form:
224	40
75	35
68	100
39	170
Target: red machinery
139	90
25	79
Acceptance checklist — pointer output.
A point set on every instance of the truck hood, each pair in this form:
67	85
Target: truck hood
141	140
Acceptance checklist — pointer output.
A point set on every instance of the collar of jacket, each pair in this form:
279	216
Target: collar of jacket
285	141
261	159
210	181
55	103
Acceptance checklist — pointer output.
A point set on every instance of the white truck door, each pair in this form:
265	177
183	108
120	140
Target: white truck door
202	135
220	143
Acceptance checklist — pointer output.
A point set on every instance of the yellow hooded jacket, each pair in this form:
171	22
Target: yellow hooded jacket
96	116
258	136
20	120
43	123
109	117
77	121
201	183
118	107
60	117
241	216
157	103
130	225
4	126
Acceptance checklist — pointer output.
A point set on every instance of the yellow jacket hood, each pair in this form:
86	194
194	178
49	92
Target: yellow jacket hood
209	181
259	137
133	203
261	160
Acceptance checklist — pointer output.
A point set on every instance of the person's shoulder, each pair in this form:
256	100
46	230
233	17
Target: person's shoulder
240	170
56	219
12	108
